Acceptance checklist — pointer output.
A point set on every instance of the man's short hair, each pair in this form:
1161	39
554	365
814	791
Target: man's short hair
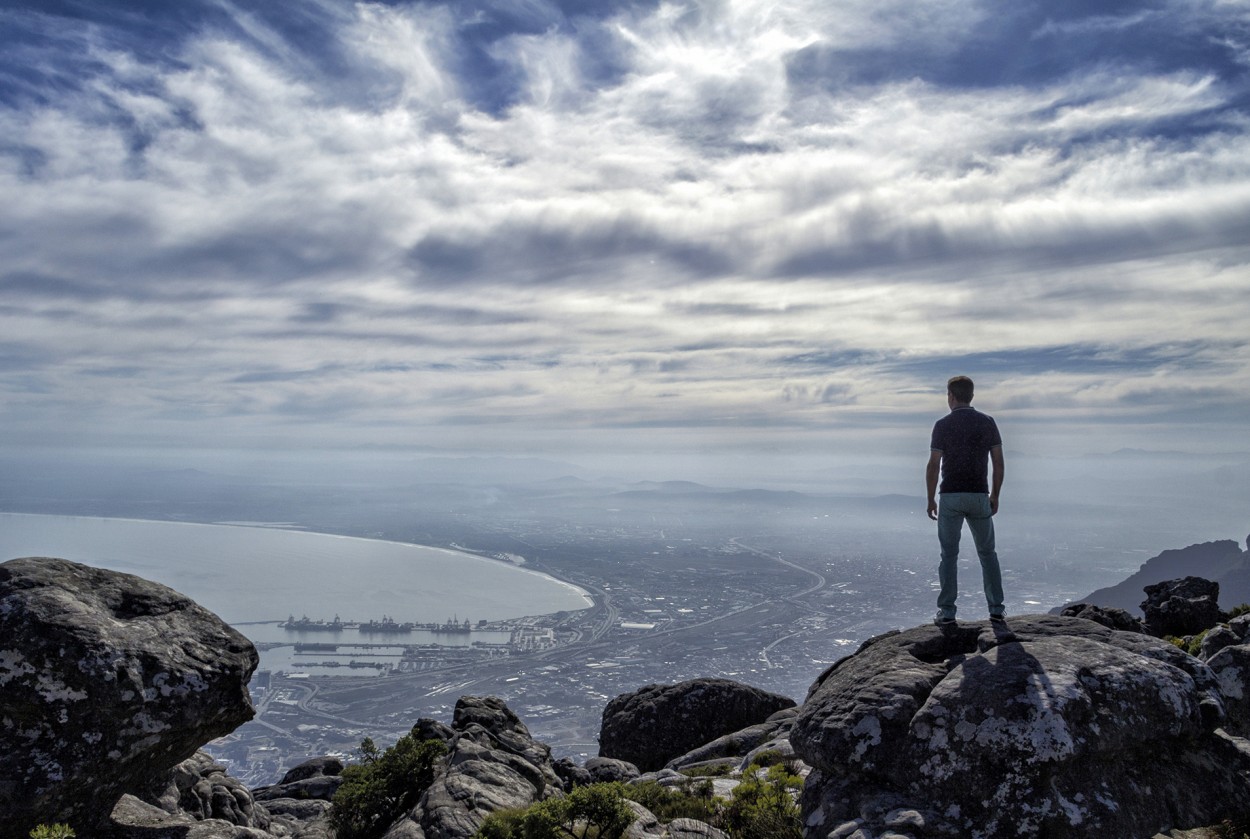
960	387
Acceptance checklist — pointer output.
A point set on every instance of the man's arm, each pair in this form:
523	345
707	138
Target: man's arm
996	477
931	472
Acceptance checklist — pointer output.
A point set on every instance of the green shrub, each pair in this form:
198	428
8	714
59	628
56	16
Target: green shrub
764	805
383	786
53	831
1238	611
595	811
769	757
1191	644
501	824
712	770
692	801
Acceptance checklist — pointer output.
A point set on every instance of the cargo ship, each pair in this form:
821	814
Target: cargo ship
387	625
306	625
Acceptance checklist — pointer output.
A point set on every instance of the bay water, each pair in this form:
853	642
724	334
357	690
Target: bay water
249	574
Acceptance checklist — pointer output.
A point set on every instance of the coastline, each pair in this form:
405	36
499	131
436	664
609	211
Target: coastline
298	530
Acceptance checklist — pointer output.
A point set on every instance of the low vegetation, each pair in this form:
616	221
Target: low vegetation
762	806
383	786
53	831
1192	644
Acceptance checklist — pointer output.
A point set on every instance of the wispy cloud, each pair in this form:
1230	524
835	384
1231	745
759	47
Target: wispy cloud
352	223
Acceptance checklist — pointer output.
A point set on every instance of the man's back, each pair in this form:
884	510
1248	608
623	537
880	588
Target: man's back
965	437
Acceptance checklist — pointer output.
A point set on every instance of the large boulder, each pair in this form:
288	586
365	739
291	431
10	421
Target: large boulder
657	723
1059	728
107	681
318	778
1181	607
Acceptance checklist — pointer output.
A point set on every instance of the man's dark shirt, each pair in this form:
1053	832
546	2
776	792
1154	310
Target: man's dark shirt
965	437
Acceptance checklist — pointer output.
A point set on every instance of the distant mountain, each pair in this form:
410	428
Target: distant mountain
1222	561
478	470
672	487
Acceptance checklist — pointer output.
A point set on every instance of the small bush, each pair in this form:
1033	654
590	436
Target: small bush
53	831
764	805
693	801
501	824
595	811
383	786
769	757
1191	644
1238	611
1229	829
712	770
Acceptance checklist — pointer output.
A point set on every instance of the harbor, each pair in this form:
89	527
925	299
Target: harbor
387	625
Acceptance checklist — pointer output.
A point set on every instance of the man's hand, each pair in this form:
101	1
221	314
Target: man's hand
993	505
932	509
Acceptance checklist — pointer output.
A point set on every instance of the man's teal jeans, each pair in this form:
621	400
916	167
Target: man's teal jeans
954	508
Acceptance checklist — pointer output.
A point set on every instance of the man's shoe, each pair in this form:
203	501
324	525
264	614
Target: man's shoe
998	619
941	621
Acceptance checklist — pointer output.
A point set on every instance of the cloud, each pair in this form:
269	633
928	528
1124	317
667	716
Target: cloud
350	220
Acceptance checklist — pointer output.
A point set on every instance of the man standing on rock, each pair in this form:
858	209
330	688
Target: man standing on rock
963	441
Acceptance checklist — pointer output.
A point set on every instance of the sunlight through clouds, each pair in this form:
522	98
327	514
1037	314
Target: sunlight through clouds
377	223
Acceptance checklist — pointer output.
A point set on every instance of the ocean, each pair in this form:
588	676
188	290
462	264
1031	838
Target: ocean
250	573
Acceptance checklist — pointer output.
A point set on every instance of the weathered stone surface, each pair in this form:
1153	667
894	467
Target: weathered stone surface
657	723
1240	625
317	767
1231	666
772	734
571	774
107	681
492	764
645	824
1181	607
1069	729
200	788
1216	640
606	770
317	778
137	819
297	809
692	829
1108	616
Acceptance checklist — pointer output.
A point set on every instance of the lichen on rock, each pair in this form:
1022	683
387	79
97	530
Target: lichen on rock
1061	727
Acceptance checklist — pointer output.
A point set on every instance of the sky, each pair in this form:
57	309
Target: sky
548	226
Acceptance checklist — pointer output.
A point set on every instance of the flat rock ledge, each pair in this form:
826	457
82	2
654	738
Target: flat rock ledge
1052	727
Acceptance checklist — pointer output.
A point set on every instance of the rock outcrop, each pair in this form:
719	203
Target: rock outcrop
200	789
107	682
492	764
1108	616
1058	727
657	723
1185	606
739	748
318	779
